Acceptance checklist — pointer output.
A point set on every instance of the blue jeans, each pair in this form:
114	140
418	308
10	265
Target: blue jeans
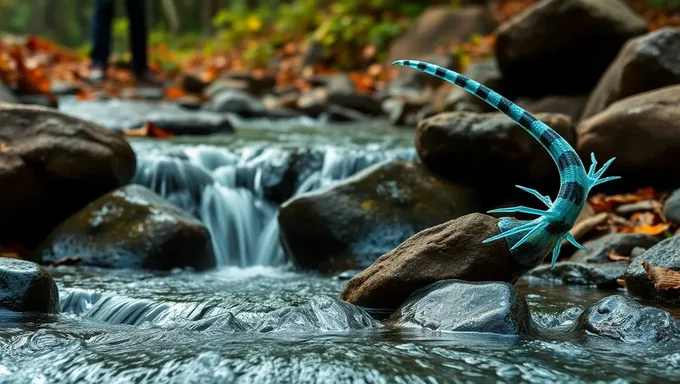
101	33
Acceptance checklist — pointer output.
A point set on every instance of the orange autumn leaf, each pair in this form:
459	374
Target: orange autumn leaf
149	129
647	229
174	93
664	279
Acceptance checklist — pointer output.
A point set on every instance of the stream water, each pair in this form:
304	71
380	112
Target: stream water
254	319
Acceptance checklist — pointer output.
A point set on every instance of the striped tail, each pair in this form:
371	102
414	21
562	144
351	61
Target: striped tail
549	139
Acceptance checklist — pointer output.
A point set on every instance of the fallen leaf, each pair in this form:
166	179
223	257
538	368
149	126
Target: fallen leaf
647	229
149	129
664	279
10	255
621	282
367	205
613	256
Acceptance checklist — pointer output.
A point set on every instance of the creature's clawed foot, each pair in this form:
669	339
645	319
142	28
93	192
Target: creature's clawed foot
532	228
594	177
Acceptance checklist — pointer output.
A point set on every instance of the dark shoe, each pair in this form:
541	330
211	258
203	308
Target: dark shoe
148	78
97	74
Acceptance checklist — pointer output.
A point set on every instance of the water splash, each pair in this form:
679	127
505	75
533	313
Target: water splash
236	192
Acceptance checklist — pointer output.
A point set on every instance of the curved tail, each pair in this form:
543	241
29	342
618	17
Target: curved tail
559	149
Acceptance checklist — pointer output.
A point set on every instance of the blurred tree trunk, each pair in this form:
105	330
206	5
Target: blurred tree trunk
172	15
38	23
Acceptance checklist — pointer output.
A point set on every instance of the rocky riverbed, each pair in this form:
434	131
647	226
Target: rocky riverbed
335	235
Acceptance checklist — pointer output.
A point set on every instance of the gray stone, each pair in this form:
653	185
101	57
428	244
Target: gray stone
665	254
27	287
621	243
460	306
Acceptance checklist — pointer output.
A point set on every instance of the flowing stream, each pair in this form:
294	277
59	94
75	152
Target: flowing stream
256	320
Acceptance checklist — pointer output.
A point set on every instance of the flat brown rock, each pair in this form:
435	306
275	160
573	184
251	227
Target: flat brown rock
453	250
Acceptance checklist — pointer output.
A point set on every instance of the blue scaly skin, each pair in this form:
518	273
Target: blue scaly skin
531	240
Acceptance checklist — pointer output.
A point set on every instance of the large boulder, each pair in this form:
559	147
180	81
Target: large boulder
350	224
485	72
621	243
460	306
440	26
622	319
453	250
131	227
541	51
571	106
488	149
671	207
27	287
643	133
51	165
645	63
641	281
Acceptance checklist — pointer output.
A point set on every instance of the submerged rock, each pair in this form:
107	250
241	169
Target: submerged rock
453	250
131	227
643	133
621	318
543	41
621	243
237	102
350	224
488	149
320	314
645	63
665	254
132	114
454	305
600	275
51	165
27	287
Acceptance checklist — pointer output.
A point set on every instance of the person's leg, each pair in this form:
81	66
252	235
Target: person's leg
101	36
138	35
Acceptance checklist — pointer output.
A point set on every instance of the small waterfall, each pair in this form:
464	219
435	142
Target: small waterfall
236	193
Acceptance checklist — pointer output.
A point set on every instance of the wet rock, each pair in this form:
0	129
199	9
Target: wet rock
622	319
542	41
320	314
39	100
488	149
61	88
338	114
643	133
347	275
192	83
403	112
143	93
350	224
364	103
51	165
6	94
671	207
189	102
453	250
485	72
27	287
132	114
571	106
455	305
131	227
645	63
273	171
640	206
237	102
440	26
223	85
255	85
573	273
621	243
665	254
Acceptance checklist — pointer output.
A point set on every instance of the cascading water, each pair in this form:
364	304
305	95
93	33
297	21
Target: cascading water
236	192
